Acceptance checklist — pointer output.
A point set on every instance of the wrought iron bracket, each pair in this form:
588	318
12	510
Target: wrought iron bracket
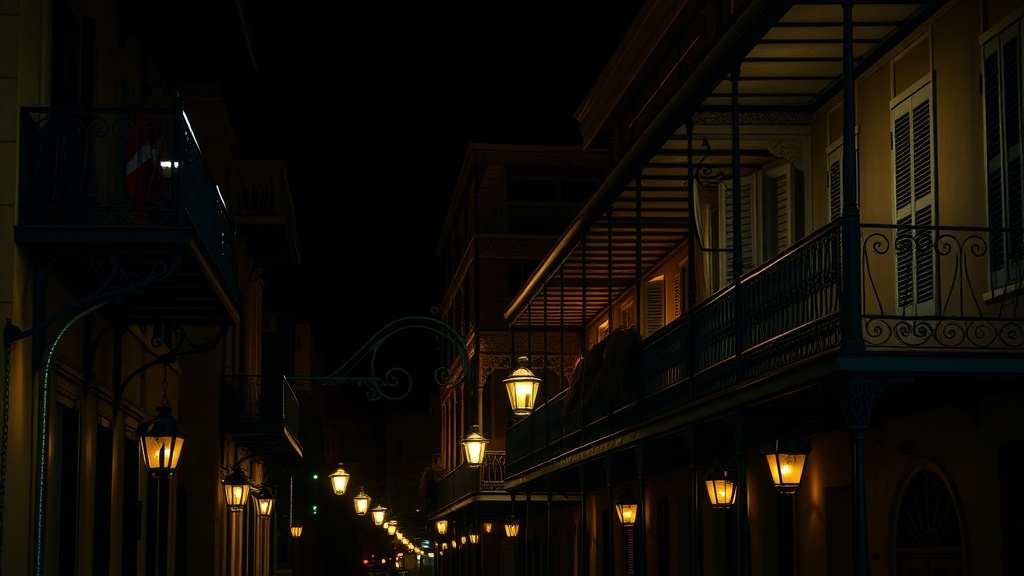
395	383
117	283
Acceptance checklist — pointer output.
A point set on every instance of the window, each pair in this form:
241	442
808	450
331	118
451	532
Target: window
1001	81
834	179
767	216
654	305
626	316
914	187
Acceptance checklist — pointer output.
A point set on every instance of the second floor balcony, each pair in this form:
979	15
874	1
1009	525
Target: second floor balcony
121	205
941	302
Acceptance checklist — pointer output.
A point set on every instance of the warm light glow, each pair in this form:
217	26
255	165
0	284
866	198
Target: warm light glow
463	539
236	489
160	443
339	480
721	488
625	508
361	502
442	526
786	461
296	530
488	526
378	514
474	538
264	503
511	527
392	528
522	386
474	445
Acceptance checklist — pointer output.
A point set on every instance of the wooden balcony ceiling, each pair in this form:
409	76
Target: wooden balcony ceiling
642	211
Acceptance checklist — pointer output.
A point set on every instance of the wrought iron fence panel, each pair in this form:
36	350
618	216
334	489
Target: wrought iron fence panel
939	288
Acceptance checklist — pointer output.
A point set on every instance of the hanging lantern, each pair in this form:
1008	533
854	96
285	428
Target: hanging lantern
236	489
378	514
721	484
361	502
392	528
442	526
161	443
474	445
264	502
786	459
625	507
522	386
511	527
296	529
339	480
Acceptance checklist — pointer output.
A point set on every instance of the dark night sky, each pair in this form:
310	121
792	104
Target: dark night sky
372	106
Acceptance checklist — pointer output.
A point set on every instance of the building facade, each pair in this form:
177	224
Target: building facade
142	276
807	244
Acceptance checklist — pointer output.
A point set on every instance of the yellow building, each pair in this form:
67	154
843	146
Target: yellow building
809	244
137	274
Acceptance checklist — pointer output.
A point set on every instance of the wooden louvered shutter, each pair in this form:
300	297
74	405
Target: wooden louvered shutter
835	183
747	226
654	311
777	199
914	187
1001	69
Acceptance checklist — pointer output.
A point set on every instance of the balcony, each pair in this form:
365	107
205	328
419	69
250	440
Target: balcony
121	205
947	302
262	414
466	484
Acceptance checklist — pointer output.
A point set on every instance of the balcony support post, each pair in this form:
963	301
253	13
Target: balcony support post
853	339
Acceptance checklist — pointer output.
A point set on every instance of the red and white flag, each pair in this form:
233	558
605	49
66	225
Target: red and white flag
143	178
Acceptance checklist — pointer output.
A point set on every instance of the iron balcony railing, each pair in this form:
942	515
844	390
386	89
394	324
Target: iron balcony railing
465	481
263	412
954	290
90	169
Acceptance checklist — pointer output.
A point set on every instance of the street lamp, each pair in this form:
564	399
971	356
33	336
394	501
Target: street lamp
378	514
361	502
264	502
522	387
625	507
511	527
721	487
786	460
474	446
161	443
339	480
236	489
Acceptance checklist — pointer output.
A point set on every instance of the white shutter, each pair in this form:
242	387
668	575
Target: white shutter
654	311
834	178
1001	79
778	202
914	188
747	226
